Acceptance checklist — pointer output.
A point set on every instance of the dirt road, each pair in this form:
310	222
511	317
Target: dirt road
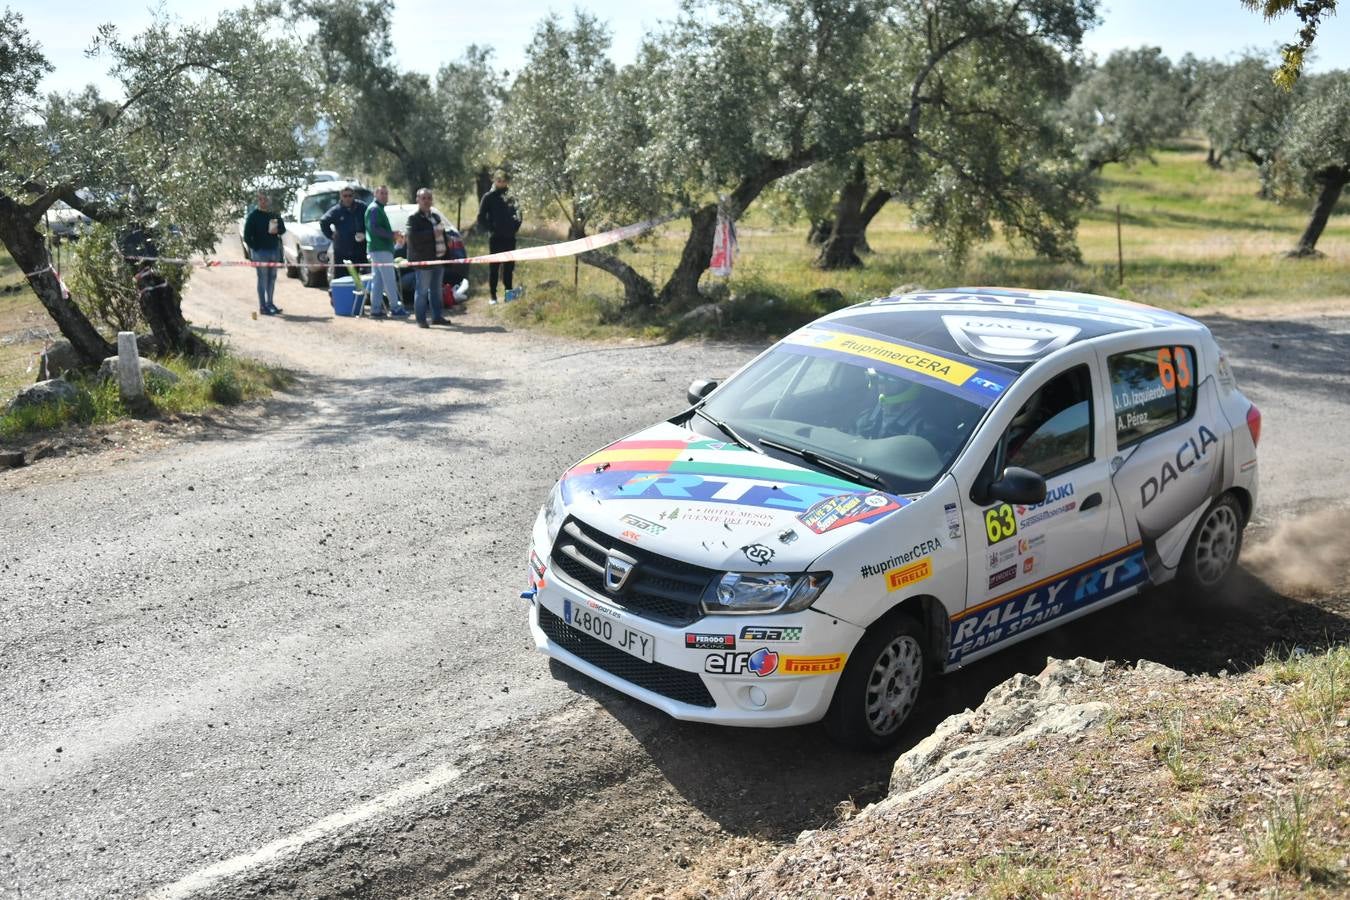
287	655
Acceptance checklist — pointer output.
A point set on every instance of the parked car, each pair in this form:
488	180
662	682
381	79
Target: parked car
890	493
303	246
64	223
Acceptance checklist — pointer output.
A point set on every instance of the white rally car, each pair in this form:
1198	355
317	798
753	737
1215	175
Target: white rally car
897	489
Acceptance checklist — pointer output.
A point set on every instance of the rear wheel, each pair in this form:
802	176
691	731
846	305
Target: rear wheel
1212	552
291	271
312	276
880	686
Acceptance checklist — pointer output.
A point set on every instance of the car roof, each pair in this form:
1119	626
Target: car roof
326	187
1010	326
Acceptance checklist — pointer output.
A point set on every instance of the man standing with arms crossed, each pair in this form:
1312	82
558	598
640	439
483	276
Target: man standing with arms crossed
384	280
498	215
426	242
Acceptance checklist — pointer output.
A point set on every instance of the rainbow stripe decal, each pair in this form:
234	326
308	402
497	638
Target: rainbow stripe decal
702	470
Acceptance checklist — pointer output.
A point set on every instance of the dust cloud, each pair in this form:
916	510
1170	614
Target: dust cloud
1308	554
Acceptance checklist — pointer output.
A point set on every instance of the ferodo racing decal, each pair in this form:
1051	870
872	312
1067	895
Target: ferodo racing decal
1069	591
966	378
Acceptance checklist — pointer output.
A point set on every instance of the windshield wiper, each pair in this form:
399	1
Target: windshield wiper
727	430
828	462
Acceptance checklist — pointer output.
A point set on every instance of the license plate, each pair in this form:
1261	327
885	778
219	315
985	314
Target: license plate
612	632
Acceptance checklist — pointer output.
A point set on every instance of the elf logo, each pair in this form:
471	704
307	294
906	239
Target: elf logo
760	662
1188	454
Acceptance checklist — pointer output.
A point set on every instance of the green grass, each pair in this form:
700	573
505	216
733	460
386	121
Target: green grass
1194	239
224	381
1318	702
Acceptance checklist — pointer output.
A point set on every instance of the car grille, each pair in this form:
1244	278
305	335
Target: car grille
661	589
684	687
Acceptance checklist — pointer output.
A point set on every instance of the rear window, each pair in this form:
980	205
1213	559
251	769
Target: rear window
1151	390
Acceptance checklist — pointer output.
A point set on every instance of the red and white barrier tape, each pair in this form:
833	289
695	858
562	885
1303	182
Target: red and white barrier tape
549	251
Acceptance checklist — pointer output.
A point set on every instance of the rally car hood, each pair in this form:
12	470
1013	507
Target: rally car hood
711	503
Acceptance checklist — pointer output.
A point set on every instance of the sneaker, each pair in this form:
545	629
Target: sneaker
378	316
422	323
441	321
271	311
399	313
492	301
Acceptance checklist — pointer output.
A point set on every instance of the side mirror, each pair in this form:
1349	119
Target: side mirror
1018	485
700	389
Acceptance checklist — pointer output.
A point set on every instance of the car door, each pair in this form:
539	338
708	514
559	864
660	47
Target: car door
1169	443
1033	563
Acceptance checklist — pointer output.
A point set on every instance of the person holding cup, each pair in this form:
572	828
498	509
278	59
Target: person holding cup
262	235
345	226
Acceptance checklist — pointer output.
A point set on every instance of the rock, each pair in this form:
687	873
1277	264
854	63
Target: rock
57	360
151	371
50	391
1158	670
703	315
1013	713
12	459
828	297
203	374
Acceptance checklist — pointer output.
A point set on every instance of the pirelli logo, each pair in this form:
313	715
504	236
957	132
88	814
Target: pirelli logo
907	575
811	665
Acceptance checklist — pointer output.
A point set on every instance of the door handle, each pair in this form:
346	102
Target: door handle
1093	500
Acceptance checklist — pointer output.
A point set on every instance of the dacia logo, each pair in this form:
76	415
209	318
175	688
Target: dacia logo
1187	455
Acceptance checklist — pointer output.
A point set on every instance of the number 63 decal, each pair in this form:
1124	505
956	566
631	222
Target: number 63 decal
1000	523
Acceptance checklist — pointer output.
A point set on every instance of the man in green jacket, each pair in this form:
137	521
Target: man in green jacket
381	245
262	234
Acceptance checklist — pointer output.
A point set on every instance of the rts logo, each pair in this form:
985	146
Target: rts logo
760	662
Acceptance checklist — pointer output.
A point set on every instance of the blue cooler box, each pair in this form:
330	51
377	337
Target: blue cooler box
346	301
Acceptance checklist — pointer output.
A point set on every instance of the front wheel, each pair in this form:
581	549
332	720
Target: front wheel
1212	552
880	686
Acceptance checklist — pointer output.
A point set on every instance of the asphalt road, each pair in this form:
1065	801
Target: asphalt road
286	655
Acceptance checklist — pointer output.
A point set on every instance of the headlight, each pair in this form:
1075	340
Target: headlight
749	592
554	511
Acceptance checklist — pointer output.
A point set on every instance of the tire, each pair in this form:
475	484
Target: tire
291	271
1212	552
312	276
880	686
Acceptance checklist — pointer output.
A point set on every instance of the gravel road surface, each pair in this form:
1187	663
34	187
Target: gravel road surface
286	655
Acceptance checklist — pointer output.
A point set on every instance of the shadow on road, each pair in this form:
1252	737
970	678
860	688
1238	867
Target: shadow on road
774	783
1282	357
325	412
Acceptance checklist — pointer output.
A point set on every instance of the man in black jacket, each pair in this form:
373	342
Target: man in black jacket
497	214
345	226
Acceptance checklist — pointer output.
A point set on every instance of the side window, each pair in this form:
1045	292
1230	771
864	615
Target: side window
1151	390
1053	430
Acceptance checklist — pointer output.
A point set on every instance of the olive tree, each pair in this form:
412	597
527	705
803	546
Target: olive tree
1244	112
1315	155
1310	14
1128	105
201	111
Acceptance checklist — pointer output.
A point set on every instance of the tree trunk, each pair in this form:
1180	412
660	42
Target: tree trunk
637	291
26	246
1332	181
870	209
694	260
820	232
840	251
163	310
1212	159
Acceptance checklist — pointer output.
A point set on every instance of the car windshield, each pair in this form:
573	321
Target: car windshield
314	206
831	395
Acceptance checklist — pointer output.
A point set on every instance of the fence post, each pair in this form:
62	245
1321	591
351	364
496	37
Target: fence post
1120	252
130	383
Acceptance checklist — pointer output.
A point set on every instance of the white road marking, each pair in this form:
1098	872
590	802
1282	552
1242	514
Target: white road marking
208	877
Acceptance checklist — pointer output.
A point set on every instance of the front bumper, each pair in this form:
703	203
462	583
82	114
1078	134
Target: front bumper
801	667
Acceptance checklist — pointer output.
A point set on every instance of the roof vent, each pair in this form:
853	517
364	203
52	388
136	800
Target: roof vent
1010	340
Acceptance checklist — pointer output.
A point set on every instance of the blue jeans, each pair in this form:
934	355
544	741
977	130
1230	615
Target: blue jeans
429	280
267	277
384	280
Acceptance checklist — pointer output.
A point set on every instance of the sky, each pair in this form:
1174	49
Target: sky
430	32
